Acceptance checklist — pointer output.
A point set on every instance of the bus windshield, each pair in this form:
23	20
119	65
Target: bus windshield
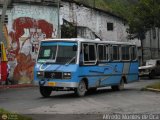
57	54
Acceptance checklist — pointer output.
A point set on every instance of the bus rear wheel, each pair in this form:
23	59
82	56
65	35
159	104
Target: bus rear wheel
81	90
118	87
45	91
92	90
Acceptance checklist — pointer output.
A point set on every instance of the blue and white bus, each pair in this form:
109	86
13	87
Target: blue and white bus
83	65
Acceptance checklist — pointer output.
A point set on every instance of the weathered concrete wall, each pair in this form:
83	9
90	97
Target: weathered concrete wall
94	20
151	45
27	25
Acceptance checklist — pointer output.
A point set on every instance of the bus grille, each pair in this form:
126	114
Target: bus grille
53	75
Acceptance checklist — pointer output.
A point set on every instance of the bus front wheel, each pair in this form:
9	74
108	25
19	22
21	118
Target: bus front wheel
45	91
81	90
118	87
92	90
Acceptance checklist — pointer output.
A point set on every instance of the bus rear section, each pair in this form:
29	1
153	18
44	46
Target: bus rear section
108	64
3	64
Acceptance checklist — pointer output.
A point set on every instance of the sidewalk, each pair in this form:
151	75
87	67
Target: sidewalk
16	86
152	89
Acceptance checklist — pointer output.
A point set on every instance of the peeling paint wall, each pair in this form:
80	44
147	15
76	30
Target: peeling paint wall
27	26
151	45
94	20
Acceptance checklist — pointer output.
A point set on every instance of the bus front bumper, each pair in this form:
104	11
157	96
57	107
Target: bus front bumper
57	84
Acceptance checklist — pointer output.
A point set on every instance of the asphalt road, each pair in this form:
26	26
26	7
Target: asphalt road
131	100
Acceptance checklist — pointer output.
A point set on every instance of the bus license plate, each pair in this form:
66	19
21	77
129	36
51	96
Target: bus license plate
51	84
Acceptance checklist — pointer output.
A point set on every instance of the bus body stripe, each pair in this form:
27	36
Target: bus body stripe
126	68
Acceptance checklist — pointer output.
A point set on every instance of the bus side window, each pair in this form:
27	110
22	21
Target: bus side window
133	53
92	56
115	53
110	53
102	53
125	53
89	51
85	52
107	52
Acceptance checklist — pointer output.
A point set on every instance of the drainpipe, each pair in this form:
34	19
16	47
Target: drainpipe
2	38
151	43
158	40
4	10
58	16
142	50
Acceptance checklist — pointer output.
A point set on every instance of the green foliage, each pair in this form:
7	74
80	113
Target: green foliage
144	16
68	30
95	3
119	7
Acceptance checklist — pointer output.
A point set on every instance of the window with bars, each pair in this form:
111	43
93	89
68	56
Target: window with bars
110	26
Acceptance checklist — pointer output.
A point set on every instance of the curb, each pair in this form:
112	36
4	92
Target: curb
16	86
152	89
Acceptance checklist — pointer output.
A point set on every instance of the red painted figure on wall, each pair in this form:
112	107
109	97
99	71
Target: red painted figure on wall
24	39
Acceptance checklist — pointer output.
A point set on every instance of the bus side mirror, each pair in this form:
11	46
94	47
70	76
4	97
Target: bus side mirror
0	54
74	47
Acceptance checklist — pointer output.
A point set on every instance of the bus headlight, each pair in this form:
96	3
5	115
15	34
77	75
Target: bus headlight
67	75
40	74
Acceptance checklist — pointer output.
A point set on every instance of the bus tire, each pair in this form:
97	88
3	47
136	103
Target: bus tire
45	91
81	90
92	90
118	87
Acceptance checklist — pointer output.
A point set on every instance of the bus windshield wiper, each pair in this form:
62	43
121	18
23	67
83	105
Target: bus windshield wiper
70	60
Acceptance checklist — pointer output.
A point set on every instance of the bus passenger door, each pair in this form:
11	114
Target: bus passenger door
88	63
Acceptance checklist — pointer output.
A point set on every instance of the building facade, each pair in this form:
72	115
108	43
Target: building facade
27	22
103	24
151	45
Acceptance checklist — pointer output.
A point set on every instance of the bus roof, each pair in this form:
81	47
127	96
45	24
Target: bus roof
88	41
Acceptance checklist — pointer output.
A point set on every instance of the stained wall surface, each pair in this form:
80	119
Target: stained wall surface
27	25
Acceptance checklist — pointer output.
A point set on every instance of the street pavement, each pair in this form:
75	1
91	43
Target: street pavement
132	100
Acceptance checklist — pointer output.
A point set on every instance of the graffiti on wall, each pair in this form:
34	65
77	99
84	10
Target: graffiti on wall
24	41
